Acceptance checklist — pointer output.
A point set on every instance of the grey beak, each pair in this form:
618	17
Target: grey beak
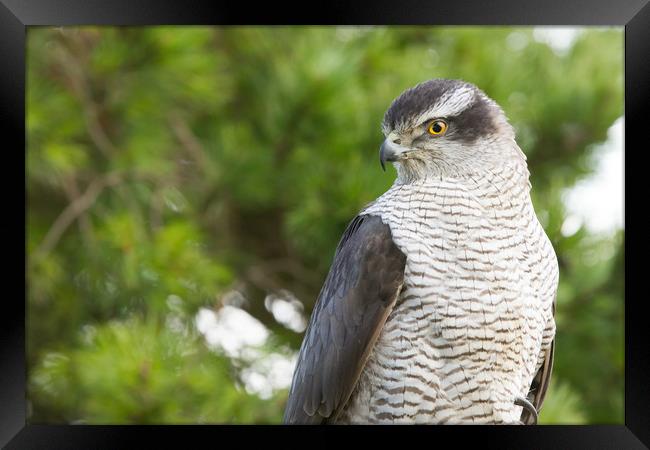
390	151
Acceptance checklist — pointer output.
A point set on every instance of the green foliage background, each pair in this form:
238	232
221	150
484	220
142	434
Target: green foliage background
170	165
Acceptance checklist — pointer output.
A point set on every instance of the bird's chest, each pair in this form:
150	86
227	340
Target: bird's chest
467	264
466	316
467	285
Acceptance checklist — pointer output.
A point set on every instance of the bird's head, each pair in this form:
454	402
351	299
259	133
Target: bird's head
446	128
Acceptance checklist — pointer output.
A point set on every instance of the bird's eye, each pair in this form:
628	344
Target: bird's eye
437	127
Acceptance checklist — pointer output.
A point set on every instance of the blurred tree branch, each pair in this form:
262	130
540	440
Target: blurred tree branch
188	139
72	192
78	82
74	210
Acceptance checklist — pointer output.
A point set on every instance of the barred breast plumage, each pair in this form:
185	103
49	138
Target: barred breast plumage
469	329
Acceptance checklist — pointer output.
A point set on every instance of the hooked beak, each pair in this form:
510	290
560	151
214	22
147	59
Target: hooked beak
390	151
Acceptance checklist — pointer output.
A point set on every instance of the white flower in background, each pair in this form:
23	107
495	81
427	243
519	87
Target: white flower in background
287	310
240	336
231	329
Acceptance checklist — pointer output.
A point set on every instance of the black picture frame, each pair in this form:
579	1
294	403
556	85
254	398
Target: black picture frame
17	15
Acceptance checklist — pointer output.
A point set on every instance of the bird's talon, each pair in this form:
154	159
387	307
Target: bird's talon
528	406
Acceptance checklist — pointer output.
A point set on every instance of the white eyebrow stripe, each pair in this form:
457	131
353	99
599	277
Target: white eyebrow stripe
450	104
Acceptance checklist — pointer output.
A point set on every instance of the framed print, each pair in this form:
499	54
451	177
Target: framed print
210	239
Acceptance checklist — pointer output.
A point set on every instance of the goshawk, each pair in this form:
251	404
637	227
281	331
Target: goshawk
439	305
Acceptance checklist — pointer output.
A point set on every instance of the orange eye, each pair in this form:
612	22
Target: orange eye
437	127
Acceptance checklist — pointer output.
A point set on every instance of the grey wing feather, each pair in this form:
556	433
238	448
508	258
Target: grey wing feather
540	383
358	295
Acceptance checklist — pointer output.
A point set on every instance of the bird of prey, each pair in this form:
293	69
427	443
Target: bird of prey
439	306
